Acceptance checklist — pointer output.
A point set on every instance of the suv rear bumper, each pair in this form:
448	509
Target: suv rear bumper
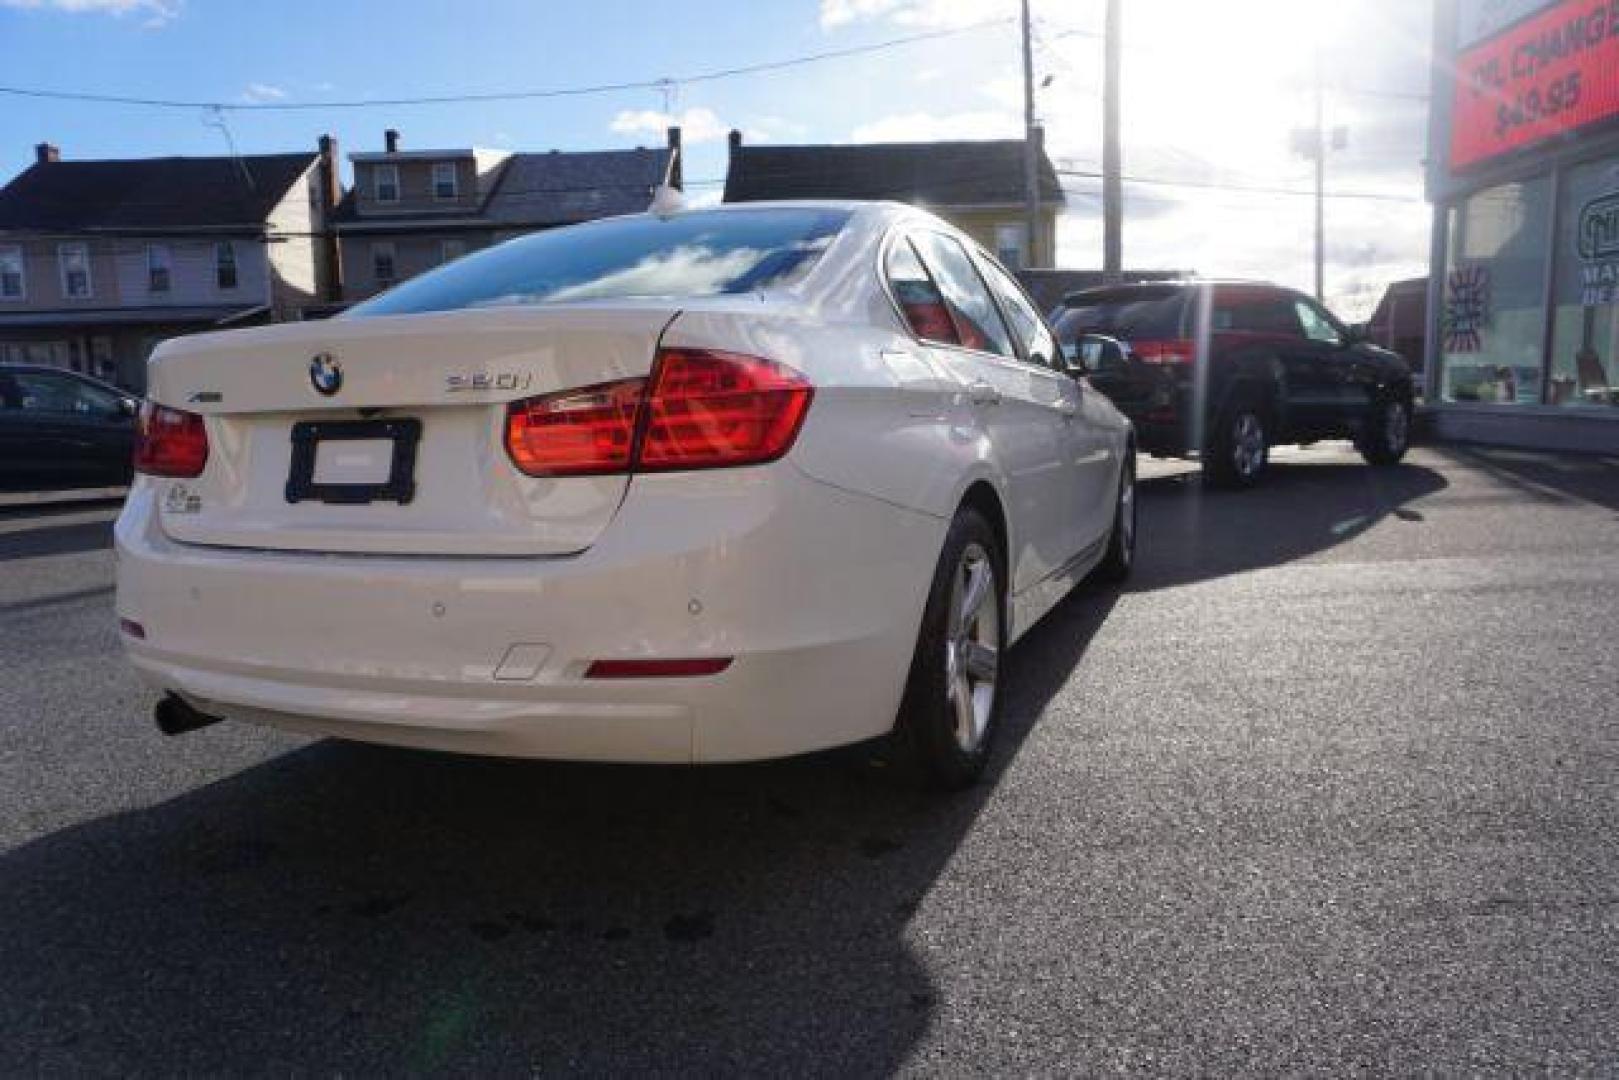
815	593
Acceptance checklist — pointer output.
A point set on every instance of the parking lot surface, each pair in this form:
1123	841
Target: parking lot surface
1333	785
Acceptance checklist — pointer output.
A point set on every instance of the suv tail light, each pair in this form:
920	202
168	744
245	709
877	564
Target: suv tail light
701	409
1165	352
169	442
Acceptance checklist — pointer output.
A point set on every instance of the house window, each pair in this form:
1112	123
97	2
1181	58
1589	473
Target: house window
157	268
385	179
225	264
444	180
383	267
11	274
1011	245
74	262
451	250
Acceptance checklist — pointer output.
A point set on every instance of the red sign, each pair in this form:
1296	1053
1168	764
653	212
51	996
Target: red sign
1549	74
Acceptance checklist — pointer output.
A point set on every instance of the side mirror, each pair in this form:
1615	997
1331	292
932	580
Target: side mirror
1358	334
1095	352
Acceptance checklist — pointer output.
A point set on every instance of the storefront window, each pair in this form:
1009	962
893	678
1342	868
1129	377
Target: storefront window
1585	361
1493	321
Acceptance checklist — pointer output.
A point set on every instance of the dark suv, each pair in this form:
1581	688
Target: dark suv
1280	369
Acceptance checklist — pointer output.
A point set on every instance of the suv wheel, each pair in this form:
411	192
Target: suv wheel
1239	451
952	698
1387	434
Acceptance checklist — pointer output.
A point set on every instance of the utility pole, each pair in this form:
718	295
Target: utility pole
1319	148
1031	164
1112	166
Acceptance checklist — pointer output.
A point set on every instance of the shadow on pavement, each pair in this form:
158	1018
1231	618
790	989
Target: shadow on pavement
1542	477
1190	533
356	909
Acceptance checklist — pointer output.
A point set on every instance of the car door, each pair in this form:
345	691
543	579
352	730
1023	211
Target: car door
78	434
1346	381
1088	445
1309	364
1023	410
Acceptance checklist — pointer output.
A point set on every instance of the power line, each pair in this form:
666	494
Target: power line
505	95
1262	189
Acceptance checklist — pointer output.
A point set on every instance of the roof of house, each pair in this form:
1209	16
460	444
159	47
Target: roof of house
552	188
141	194
983	173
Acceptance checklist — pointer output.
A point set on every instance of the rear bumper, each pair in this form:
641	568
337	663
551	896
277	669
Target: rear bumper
815	592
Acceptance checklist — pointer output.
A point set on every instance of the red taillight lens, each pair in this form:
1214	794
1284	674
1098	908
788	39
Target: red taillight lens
169	442
577	432
1165	352
709	409
702	410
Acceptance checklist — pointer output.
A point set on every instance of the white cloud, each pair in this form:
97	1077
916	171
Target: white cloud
932	127
697	125
263	93
931	14
156	12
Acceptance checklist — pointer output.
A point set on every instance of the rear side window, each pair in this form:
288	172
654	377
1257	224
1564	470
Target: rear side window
1255	311
702	253
976	317
918	297
1136	315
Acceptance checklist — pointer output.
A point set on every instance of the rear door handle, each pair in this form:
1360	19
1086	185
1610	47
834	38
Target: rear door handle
982	393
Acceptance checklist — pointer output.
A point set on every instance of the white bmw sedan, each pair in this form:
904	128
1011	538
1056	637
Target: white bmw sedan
717	485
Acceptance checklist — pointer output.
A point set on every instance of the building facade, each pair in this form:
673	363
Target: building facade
412	210
101	260
977	186
1523	171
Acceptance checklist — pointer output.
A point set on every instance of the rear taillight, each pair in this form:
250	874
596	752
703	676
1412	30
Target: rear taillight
577	432
710	409
1165	352
169	442
701	409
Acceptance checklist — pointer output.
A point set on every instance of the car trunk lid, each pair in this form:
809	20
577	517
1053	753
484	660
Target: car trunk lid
306	425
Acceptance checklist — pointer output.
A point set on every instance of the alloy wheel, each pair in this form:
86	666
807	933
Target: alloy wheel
1127	513
1396	427
1247	445
973	646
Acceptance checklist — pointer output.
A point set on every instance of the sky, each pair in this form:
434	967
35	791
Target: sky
1211	94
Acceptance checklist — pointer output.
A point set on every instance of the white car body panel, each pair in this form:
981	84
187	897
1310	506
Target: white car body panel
465	620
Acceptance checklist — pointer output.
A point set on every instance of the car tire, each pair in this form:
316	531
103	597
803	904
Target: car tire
1387	434
1120	558
1239	448
949	714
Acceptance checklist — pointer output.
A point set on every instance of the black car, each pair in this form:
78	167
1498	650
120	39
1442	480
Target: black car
60	429
1280	369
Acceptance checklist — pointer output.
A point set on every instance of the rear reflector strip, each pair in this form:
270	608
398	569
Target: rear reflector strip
657	669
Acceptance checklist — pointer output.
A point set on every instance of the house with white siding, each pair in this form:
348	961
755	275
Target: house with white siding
101	260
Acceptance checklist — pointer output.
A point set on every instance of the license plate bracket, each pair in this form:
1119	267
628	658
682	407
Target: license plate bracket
400	487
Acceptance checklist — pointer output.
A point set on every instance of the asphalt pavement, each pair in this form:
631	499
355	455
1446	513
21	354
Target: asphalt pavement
1333	786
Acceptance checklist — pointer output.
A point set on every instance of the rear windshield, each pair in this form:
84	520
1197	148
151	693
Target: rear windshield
1138	316
702	253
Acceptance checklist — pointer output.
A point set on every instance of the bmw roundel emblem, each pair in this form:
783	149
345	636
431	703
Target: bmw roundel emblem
325	374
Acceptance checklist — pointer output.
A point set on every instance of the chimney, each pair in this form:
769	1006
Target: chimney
735	139
327	176
390	139
46	153
676	164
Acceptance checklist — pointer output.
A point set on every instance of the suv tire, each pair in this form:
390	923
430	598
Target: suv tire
1238	450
